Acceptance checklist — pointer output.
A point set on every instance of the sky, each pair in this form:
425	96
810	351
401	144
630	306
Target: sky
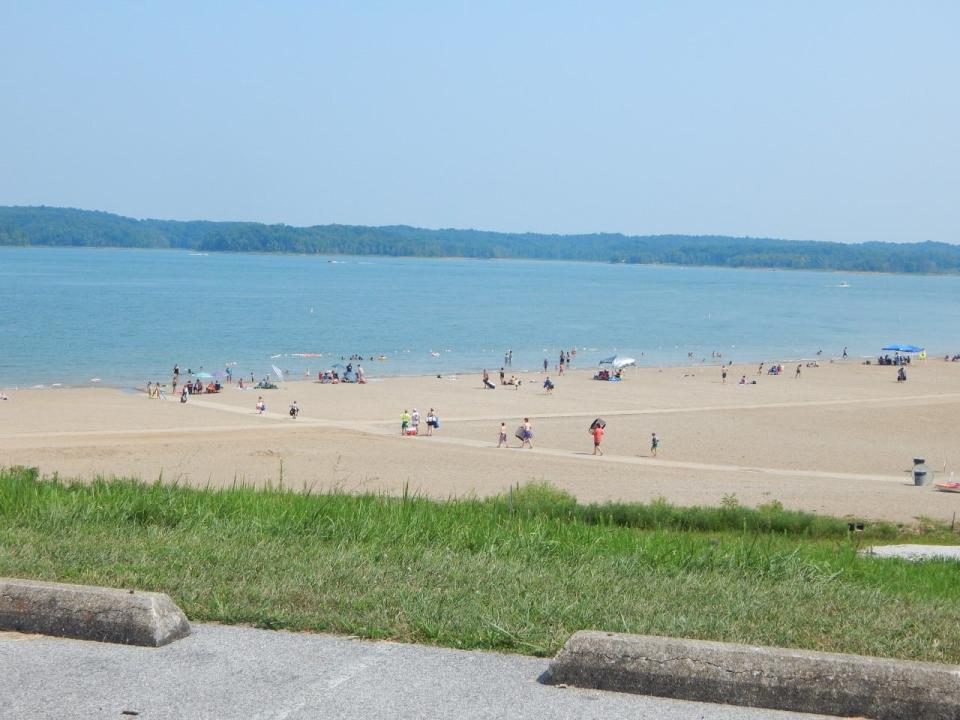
809	120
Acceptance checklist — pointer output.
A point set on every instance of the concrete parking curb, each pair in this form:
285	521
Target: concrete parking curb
90	613
776	678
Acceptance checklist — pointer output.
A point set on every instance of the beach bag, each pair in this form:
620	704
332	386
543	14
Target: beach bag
519	434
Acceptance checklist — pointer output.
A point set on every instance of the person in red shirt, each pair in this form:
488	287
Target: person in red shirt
597	437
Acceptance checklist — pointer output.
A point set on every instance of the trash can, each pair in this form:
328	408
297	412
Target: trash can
920	475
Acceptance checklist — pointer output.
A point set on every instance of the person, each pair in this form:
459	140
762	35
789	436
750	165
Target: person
185	394
654	444
527	434
502	381
510	358
261	406
404	422
760	369
546	364
294	410
901	375
723	375
743	379
150	390
597	432
502	442
161	393
415	421
487	385
548	385
241	383
561	363
433	422
797	374
844	351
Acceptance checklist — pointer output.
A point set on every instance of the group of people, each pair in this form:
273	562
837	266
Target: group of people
514	381
155	391
897	359
261	408
410	422
597	429
349	375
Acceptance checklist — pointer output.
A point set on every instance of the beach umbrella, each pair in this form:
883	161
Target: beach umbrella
618	361
278	372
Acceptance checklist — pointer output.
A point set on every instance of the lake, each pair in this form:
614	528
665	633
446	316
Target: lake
126	316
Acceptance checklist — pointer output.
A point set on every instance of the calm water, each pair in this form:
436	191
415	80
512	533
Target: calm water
69	315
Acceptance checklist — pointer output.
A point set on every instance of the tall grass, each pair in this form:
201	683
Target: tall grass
519	572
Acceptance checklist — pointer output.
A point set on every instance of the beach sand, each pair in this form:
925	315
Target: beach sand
839	440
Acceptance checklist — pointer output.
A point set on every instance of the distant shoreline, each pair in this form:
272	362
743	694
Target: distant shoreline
32	226
447	258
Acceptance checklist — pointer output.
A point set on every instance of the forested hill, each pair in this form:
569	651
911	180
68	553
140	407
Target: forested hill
47	226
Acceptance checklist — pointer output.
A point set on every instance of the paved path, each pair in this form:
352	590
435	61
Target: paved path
230	673
914	552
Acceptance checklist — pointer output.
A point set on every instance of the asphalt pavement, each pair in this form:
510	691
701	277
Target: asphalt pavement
227	673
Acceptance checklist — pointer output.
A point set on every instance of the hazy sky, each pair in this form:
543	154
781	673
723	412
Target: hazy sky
808	120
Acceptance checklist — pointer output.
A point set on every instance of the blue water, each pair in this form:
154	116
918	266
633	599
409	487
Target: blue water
68	315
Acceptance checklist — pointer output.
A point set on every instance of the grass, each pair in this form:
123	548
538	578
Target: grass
518	573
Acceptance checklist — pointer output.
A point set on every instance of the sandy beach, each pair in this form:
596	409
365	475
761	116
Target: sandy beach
838	440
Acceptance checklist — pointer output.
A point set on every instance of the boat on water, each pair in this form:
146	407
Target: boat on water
844	284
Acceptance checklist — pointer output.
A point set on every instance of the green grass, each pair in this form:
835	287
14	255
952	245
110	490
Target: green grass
518	573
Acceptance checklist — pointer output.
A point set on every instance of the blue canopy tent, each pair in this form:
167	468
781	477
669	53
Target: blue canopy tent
903	348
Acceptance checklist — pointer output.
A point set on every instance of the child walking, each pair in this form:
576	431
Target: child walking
502	442
597	431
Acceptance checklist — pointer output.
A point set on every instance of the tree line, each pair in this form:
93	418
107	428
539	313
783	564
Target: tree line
49	226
